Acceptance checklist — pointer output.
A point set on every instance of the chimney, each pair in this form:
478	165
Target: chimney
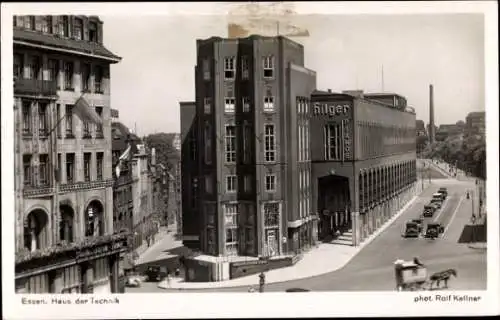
153	156
432	133
329	90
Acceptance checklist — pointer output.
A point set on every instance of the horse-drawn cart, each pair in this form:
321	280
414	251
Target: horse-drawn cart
412	276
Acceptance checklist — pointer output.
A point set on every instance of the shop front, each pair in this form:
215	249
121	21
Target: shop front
90	267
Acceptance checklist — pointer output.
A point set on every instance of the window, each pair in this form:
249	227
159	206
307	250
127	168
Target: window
86	130
99	132
271	214
270	182
47	24
42	119
268	104
206	69
100	162
231	215
69	121
92	31
70	167
78	29
27	174
53	69
268	64
231	183
230	144
33	68
18	66
269	143
247	136
332	142
207	104
229	68
98	79
208	142
244	67
65	26
68	75
209	186
85	77
246	104
229	105
247	183
43	169
27	118
86	165
29	22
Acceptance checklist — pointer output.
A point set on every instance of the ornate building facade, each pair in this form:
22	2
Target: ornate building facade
65	239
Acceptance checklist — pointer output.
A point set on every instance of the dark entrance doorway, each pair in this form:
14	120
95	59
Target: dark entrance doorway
334	206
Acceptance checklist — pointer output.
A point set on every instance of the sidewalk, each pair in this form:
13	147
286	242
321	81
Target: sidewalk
144	251
325	258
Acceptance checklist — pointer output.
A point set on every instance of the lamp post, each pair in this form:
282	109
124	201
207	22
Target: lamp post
262	281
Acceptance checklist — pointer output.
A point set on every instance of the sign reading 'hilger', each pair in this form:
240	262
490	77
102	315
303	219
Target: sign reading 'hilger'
322	109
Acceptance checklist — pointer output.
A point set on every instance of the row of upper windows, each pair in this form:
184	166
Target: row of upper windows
230	143
33	69
35	116
39	175
60	25
230	67
230	104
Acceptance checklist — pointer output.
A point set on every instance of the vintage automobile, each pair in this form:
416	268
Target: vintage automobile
437	203
419	222
156	273
429	210
411	230
433	230
438	196
443	191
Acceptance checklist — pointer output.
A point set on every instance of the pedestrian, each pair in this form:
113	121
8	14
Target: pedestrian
177	272
169	279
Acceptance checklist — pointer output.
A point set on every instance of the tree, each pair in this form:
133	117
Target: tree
166	154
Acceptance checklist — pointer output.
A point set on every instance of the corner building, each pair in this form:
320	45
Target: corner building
363	152
65	242
246	161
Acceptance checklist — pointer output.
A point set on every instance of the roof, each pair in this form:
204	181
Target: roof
55	41
120	133
476	114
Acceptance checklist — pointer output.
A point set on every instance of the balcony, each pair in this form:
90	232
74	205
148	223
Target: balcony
35	87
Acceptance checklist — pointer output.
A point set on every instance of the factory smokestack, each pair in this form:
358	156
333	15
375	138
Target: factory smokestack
432	134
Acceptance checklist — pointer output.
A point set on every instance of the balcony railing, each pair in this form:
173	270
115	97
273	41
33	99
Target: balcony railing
35	87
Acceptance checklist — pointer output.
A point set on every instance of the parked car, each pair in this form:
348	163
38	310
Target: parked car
411	230
133	281
433	230
443	191
156	273
419	222
438	196
429	210
436	203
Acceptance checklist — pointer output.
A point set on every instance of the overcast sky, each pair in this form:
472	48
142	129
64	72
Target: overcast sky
346	51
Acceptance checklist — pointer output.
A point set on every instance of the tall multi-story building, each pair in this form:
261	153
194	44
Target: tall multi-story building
244	153
475	123
363	155
65	241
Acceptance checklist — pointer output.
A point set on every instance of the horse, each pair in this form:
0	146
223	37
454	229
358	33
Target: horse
442	276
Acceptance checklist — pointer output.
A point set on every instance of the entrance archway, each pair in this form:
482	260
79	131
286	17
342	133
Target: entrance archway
94	219
35	230
66	223
335	204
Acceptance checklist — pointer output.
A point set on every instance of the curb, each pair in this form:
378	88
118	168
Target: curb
357	251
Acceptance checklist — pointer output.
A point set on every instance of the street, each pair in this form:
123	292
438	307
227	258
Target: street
372	269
